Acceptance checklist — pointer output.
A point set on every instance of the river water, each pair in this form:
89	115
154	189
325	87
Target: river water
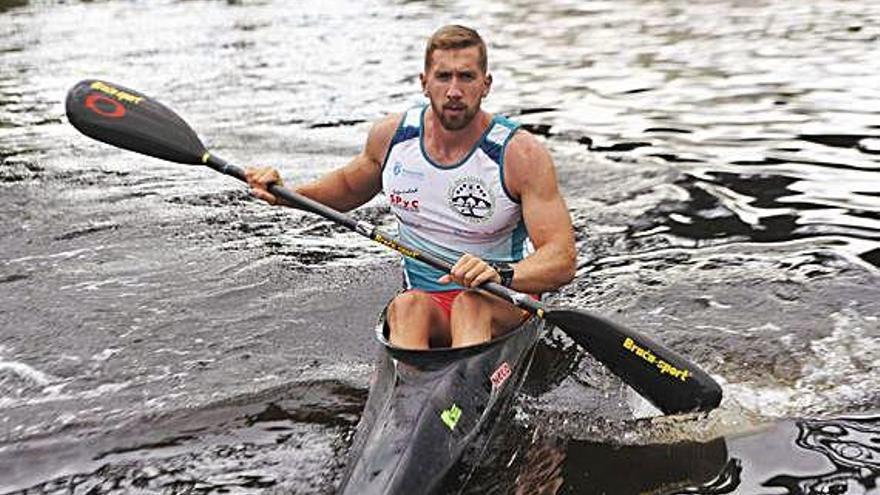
163	332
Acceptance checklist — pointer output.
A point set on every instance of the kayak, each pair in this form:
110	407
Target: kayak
426	408
429	409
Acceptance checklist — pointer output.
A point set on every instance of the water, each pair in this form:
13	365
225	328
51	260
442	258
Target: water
162	332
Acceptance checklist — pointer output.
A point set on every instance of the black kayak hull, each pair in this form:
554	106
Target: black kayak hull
426	409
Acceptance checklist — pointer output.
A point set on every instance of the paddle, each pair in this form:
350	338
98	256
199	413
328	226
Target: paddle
127	119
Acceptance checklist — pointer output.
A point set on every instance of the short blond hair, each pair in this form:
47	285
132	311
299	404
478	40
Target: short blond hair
456	37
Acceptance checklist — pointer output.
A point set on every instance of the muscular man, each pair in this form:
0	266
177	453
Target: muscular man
465	184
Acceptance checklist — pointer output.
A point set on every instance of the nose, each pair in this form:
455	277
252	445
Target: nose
454	92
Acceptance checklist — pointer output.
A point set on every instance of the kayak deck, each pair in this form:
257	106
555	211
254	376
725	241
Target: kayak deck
426	408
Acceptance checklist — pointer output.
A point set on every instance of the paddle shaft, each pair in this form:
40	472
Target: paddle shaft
374	233
128	119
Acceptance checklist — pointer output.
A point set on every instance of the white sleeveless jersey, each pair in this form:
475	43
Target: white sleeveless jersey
455	209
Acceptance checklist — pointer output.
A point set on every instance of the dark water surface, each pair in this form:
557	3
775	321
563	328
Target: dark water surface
163	332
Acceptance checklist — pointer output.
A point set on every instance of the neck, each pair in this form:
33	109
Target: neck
447	146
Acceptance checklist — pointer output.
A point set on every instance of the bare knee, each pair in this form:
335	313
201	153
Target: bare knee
407	303
411	316
470	302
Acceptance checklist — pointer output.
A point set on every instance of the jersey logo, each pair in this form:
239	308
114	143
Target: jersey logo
402	198
471	198
399	170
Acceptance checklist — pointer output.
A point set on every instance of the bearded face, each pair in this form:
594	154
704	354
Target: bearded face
456	85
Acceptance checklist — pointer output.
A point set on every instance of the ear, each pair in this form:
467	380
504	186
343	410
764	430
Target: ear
487	85
424	83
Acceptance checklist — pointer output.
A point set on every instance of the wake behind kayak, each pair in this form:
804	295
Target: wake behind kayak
427	409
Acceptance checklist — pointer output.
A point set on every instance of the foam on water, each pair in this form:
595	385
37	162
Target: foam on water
842	371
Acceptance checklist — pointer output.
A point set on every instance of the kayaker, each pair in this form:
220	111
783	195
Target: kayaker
465	184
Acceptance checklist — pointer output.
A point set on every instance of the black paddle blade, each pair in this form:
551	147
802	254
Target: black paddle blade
125	118
667	380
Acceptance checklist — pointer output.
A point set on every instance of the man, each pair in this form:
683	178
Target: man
464	184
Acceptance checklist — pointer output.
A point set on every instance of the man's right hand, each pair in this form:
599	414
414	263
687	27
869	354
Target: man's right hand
260	178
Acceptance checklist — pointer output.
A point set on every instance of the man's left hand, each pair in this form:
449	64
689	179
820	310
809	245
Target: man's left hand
470	271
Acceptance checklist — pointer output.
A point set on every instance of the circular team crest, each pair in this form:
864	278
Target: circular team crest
471	198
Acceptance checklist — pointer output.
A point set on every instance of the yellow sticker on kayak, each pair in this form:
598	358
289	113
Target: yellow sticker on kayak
451	416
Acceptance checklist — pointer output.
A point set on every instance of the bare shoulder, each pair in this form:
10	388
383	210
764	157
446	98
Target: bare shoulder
524	146
380	136
386	126
527	163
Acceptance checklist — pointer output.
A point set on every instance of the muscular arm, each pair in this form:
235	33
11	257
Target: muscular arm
531	178
345	188
356	183
530	175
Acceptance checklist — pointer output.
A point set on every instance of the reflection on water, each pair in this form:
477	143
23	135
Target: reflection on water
852	445
727	481
848	443
537	463
841	482
600	468
242	446
279	438
765	207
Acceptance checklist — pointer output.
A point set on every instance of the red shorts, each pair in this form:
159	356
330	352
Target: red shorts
444	299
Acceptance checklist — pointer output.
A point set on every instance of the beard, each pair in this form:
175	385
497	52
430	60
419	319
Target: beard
457	121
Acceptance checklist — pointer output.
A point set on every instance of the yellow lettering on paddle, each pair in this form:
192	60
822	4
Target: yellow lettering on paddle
116	93
664	367
395	246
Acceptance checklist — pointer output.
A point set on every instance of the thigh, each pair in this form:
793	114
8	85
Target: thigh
475	308
505	316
